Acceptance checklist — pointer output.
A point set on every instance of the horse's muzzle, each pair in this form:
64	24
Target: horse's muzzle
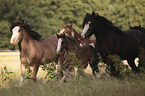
58	52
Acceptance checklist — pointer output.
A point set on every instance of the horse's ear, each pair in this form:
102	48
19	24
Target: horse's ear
97	14
139	26
63	35
57	35
12	22
93	14
21	23
71	25
87	14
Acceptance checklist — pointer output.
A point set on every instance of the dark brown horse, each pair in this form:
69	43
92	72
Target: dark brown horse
71	32
85	54
111	40
33	50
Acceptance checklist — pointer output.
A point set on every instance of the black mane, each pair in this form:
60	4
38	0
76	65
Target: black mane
102	21
107	24
35	35
71	39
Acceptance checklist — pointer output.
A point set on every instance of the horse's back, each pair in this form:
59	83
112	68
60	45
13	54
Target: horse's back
48	47
86	52
130	43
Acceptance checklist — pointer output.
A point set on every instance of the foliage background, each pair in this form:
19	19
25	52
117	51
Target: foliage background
47	16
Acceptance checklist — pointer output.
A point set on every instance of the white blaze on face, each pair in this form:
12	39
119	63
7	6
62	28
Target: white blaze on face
62	31
59	45
86	27
15	35
73	33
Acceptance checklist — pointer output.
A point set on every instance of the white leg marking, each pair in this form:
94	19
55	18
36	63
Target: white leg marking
62	79
21	83
92	44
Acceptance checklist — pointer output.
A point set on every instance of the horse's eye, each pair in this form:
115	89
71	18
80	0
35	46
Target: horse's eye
62	42
20	30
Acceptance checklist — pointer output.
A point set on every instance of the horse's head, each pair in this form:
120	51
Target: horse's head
67	30
94	23
16	29
61	43
88	24
138	28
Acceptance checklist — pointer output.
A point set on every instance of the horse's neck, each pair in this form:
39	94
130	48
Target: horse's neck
72	47
27	41
76	36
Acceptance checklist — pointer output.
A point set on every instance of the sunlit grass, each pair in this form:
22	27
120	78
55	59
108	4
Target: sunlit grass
132	85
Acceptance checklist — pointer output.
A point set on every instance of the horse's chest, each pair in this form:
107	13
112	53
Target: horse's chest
108	47
30	58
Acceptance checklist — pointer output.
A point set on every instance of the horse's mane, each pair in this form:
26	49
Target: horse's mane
35	35
108	24
71	39
102	21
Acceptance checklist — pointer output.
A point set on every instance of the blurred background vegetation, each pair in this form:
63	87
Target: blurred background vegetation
47	16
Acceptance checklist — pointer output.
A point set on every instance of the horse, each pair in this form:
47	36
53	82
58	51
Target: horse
34	51
85	54
71	32
138	28
110	40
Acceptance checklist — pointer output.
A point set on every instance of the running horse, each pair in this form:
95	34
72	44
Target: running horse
111	40
85	54
71	32
33	50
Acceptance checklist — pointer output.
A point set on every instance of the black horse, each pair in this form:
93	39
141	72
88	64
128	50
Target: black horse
111	40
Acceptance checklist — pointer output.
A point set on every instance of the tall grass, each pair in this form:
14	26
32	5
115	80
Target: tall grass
131	85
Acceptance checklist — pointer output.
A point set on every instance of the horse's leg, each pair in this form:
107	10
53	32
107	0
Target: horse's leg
22	78
94	66
132	65
81	68
141	65
113	72
60	70
35	70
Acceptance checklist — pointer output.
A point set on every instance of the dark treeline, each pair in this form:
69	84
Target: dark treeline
47	16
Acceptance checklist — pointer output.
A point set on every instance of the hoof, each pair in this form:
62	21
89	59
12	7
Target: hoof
39	79
19	85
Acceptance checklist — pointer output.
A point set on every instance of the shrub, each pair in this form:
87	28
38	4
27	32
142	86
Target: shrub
5	74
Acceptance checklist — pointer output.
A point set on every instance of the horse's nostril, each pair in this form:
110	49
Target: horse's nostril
58	52
12	42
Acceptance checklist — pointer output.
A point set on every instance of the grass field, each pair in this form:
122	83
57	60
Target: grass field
132	85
